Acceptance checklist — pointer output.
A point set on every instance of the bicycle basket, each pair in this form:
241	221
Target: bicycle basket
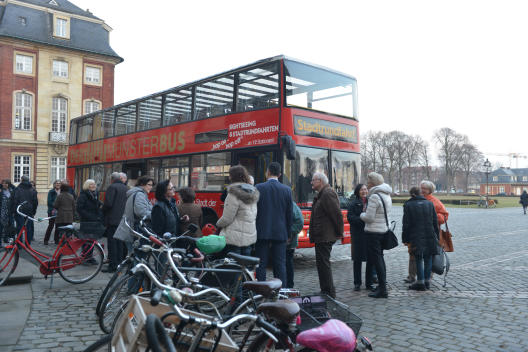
317	309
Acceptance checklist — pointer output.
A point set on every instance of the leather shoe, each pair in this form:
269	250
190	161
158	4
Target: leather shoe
408	280
357	287
370	288
379	294
417	287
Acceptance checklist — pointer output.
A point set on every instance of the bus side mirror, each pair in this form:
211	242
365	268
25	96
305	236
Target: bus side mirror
288	144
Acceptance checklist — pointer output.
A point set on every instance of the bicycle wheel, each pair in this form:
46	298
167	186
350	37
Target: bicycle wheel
8	262
239	330
116	298
103	344
157	336
122	269
80	260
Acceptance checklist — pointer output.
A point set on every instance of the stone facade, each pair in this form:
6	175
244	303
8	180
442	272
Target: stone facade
33	148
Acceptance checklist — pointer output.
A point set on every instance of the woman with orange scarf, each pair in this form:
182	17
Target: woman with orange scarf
427	188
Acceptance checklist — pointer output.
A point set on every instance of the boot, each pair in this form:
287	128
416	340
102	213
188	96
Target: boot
417	286
379	293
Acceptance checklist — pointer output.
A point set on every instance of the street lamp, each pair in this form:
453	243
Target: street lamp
487	168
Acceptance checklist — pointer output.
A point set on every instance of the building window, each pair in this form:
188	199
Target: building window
501	189
23	109
22	167
61	27
525	178
495	178
59	115
58	168
92	75
60	69
91	106
24	64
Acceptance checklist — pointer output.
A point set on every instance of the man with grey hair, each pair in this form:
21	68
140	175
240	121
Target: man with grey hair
326	226
379	206
123	177
113	209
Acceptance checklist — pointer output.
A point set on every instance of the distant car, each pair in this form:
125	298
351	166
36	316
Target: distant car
502	194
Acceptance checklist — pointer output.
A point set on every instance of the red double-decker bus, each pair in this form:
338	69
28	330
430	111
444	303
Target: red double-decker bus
278	109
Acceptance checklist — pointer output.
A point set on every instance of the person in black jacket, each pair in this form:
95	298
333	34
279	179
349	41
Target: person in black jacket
113	209
164	215
6	218
420	230
524	201
358	240
88	203
25	193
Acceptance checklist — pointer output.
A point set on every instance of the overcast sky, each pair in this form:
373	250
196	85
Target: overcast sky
420	65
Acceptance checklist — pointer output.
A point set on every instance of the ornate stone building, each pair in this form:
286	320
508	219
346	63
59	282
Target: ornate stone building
56	63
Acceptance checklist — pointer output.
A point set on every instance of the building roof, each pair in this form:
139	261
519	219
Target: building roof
507	175
34	25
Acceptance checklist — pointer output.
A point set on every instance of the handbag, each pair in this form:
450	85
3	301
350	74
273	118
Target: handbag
445	239
389	240
92	229
440	262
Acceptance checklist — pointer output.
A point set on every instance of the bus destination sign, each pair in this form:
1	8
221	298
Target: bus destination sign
305	126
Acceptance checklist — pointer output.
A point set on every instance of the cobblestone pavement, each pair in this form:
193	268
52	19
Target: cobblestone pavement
483	308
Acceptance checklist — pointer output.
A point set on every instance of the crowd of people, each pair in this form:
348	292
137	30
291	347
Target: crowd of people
262	219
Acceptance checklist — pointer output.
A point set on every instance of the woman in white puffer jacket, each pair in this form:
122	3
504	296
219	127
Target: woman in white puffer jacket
240	211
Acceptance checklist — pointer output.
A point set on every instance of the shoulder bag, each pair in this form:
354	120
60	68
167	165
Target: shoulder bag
389	240
440	261
445	239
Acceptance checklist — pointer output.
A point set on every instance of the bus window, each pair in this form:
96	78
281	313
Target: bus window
85	130
177	170
126	120
150	113
73	132
154	169
298	173
178	107
345	172
258	88
214	98
210	172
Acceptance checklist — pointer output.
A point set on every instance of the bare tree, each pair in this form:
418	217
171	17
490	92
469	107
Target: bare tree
423	156
411	153
450	153
471	160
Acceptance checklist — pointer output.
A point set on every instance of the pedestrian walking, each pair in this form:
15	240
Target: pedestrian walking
6	218
274	219
65	205
524	201
165	216
427	189
237	223
358	238
113	209
420	231
292	243
137	207
191	209
376	227
52	196
25	193
326	227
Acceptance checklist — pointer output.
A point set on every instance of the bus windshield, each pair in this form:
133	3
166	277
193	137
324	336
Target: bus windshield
319	89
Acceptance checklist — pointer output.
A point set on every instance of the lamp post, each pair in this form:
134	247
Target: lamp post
487	168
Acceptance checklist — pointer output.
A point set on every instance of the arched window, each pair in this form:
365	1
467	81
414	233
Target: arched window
23	110
59	114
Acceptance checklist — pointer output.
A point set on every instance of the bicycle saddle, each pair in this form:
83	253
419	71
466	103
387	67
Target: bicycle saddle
265	288
243	259
332	336
67	227
283	311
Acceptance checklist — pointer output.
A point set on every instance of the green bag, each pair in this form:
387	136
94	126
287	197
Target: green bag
211	244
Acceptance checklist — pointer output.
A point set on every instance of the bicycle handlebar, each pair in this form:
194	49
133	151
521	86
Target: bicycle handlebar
29	217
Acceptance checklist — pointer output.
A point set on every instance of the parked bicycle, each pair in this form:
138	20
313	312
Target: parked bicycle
76	260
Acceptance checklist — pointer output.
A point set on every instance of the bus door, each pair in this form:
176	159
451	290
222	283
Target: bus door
256	163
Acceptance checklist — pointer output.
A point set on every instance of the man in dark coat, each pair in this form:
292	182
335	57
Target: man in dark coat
274	219
524	201
52	196
420	230
326	226
113	209
25	193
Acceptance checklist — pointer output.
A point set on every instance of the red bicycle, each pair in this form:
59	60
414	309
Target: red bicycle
76	260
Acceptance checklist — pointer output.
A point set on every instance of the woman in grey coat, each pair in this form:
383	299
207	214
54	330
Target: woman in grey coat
137	206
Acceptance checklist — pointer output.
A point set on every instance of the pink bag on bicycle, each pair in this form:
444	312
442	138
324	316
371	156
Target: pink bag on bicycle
332	336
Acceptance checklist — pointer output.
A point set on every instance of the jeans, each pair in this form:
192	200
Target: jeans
424	265
289	267
369	273
278	259
375	258
324	269
29	226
